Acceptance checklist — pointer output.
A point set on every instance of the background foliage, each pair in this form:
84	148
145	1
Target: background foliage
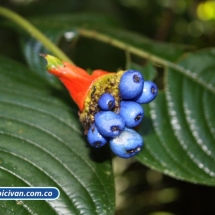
41	139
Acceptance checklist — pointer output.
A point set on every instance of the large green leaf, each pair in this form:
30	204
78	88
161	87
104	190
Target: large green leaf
183	142
179	125
41	144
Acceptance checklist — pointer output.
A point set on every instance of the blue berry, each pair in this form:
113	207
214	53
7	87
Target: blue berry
94	138
132	112
127	144
131	84
106	101
148	94
109	124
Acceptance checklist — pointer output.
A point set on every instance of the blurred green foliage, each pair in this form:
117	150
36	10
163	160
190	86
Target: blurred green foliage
180	22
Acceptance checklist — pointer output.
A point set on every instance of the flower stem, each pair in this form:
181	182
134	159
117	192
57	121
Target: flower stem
144	54
126	47
34	32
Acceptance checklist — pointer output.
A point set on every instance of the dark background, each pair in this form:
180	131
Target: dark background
139	189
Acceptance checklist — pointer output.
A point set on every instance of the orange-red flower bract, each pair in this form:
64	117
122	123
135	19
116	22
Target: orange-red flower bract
75	79
98	72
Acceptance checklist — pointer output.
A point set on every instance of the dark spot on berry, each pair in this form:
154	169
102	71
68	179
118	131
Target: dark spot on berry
136	78
153	90
115	128
93	129
138	117
97	144
110	104
130	151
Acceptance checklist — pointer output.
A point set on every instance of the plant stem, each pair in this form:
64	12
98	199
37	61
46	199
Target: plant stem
34	32
126	47
139	52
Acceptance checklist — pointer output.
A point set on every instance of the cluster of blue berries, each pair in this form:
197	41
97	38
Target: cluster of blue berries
118	128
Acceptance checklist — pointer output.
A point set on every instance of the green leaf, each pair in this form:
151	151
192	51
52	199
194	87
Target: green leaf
179	125
41	144
182	143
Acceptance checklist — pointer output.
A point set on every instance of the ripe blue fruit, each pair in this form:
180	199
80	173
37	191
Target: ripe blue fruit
94	138
131	84
106	101
109	124
127	144
132	112
148	94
